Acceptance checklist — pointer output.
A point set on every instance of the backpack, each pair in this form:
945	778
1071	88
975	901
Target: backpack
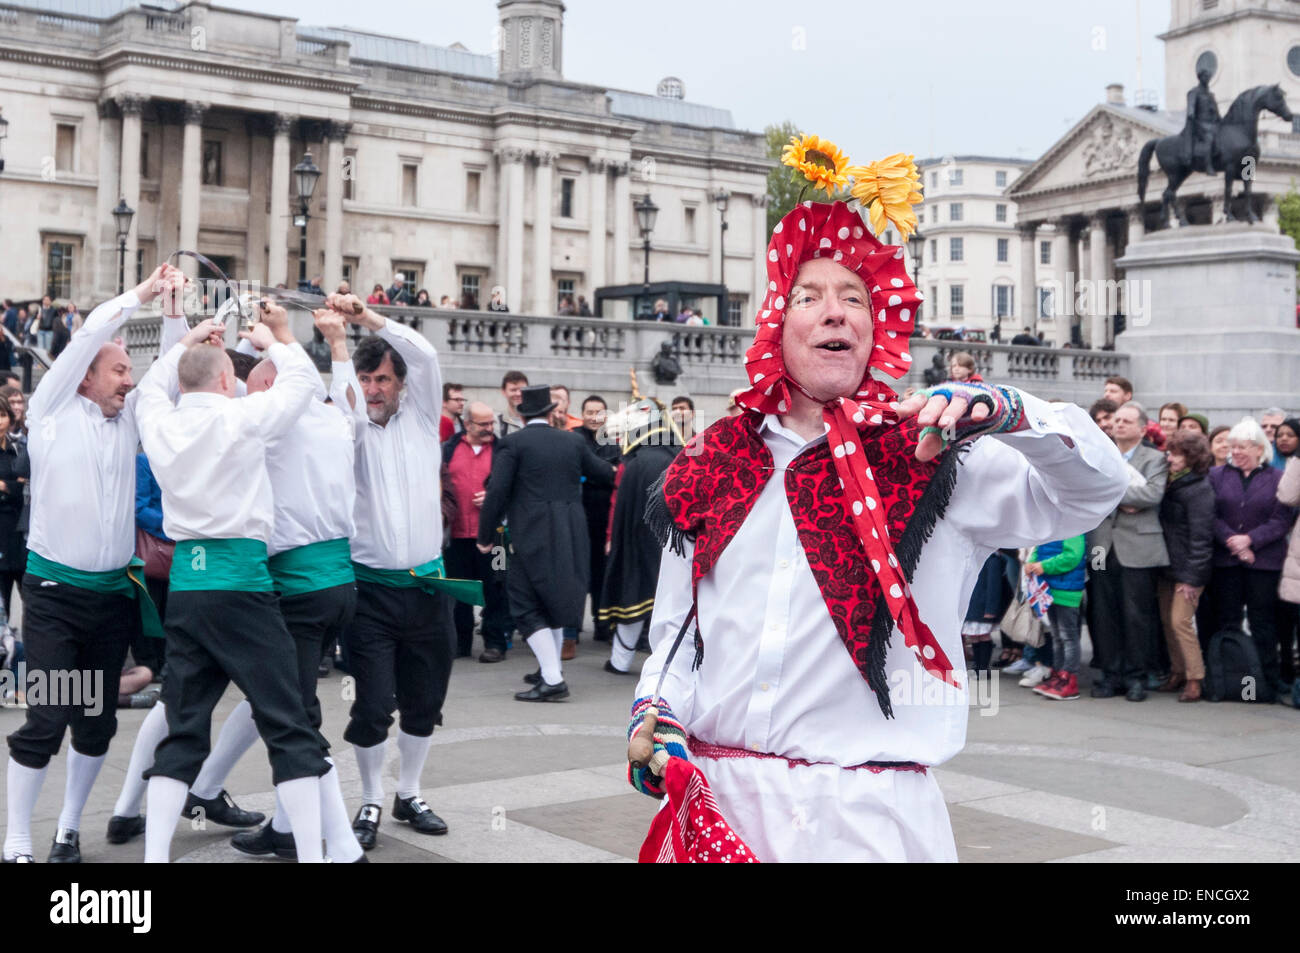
1233	671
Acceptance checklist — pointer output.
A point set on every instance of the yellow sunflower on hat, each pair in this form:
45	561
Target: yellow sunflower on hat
820	161
889	188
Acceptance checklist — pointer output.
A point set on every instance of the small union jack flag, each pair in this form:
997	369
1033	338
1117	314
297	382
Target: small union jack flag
1039	596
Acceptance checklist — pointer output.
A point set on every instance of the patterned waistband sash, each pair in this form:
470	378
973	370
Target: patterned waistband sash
704	749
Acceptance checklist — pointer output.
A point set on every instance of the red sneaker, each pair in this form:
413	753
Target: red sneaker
1049	681
1066	689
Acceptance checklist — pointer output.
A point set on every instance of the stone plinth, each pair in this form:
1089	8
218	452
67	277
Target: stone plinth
1216	327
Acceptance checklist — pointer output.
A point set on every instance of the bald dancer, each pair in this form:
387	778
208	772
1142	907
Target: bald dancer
208	452
80	608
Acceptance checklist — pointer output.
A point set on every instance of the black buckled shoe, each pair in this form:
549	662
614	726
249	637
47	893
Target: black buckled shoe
1137	692
66	847
419	815
265	841
221	809
613	670
123	829
542	692
366	825
533	678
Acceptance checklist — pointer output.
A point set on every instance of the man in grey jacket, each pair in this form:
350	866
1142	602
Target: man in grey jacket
1125	552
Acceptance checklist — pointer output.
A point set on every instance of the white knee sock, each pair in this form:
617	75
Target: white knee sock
371	762
162	811
82	771
413	750
301	798
558	635
24	786
340	842
152	731
237	736
622	648
542	642
280	819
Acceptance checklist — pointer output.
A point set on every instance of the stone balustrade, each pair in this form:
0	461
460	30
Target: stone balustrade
594	355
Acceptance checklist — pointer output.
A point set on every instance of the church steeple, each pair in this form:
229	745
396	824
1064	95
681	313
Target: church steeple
529	42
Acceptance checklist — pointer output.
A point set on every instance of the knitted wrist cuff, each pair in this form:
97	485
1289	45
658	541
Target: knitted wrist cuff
669	736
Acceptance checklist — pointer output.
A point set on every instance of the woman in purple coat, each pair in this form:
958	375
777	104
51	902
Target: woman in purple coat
1250	528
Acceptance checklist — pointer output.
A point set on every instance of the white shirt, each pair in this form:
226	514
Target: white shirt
776	676
83	463
312	482
399	494
208	451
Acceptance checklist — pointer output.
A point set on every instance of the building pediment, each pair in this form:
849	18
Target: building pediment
1101	147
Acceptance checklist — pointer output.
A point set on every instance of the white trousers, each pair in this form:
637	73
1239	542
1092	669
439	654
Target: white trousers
821	812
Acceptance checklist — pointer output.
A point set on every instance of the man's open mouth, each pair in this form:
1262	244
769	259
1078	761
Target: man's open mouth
835	346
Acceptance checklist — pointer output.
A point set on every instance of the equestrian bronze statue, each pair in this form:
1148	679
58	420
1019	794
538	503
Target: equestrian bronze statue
1211	145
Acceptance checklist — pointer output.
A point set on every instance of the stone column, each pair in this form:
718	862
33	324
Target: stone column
541	296
105	247
499	271
622	221
757	257
129	186
1028	276
335	133
277	224
1136	224
597	241
1097	278
191	183
512	163
258	129
1067	266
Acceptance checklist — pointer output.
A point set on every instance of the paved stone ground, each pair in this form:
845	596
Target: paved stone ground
1094	781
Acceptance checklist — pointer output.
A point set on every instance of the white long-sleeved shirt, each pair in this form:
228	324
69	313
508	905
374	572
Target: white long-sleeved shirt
776	677
208	451
399	493
83	463
312	481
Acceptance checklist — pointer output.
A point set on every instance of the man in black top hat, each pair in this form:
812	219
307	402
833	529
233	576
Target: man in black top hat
536	482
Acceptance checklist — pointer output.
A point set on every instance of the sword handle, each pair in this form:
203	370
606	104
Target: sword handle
641	749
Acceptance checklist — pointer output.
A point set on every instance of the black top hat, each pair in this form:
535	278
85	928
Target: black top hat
537	402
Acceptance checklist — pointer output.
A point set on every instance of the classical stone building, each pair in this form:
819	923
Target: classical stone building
461	171
971	260
1081	197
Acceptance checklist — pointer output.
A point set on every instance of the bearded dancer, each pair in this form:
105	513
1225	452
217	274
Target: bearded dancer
398	647
77	597
824	548
208	450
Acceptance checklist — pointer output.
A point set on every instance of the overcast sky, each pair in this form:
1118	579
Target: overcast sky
930	77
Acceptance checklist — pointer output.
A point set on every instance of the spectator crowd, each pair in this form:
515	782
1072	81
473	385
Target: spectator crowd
1192	585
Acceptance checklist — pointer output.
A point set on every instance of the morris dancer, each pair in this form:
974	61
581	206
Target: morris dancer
208	452
77	597
827	547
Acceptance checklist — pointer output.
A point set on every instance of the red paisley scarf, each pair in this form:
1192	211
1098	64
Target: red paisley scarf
710	489
864	435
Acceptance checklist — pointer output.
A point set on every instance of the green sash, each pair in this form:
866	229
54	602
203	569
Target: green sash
223	565
313	567
429	577
127	581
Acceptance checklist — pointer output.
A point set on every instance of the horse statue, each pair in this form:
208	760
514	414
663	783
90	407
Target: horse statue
1236	150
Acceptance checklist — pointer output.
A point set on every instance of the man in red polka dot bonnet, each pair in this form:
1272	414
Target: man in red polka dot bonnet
822	545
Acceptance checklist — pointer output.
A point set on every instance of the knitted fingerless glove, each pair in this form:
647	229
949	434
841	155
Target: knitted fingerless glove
1006	410
669	736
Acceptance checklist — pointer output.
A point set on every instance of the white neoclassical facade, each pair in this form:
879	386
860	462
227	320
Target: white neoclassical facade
970	268
461	171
